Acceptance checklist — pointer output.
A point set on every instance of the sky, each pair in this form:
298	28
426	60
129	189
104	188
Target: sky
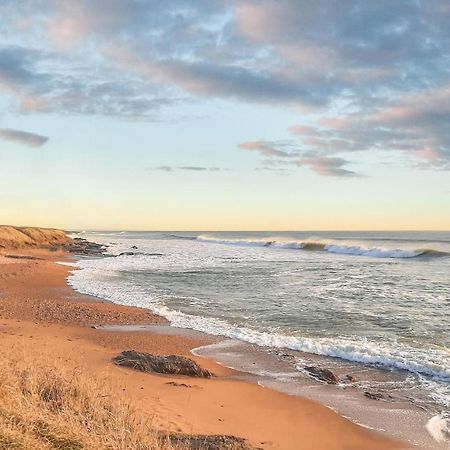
225	114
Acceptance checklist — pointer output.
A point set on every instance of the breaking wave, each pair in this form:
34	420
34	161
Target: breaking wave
327	246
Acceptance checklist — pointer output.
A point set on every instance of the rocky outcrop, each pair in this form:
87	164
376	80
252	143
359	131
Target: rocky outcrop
171	365
80	246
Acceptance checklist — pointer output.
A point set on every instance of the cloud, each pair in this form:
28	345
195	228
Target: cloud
293	52
23	137
164	168
377	71
320	162
194	168
327	166
30	87
268	148
415	125
190	168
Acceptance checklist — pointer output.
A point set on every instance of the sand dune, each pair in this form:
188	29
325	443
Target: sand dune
31	237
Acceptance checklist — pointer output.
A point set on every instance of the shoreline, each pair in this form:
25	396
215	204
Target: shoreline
400	415
315	424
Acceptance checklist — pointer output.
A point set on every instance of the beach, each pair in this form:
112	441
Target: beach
41	315
223	225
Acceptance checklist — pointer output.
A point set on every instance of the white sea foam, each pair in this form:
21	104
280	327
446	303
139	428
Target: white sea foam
99	280
439	428
375	252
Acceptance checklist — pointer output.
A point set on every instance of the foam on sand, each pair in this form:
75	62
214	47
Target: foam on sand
439	428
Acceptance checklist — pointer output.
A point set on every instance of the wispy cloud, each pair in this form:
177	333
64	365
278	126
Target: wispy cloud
190	168
269	148
23	137
327	166
320	162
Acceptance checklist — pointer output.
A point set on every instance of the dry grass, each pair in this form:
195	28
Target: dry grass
43	406
26	237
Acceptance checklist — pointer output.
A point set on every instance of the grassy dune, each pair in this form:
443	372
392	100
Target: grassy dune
31	237
46	406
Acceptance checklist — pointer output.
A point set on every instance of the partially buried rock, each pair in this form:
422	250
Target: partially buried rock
172	365
377	395
208	442
174	383
320	374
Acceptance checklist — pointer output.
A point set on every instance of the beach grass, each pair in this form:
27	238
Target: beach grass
45	404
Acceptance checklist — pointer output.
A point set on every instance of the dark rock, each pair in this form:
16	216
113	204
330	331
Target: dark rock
208	442
377	395
23	257
174	383
83	247
173	365
349	378
134	247
320	374
285	355
373	395
139	253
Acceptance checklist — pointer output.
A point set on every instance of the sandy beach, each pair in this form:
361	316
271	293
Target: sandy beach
223	225
41	315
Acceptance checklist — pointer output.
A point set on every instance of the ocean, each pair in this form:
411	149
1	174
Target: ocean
373	304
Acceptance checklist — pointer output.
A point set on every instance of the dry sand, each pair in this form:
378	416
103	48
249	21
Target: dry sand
40	313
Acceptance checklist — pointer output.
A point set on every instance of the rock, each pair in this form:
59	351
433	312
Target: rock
320	374
173	365
81	246
349	378
134	247
284	355
377	395
174	383
139	254
208	442
373	395
23	257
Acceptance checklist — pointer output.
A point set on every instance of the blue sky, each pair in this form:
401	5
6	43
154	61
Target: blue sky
241	114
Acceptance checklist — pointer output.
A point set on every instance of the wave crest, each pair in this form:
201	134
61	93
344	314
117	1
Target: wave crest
326	245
